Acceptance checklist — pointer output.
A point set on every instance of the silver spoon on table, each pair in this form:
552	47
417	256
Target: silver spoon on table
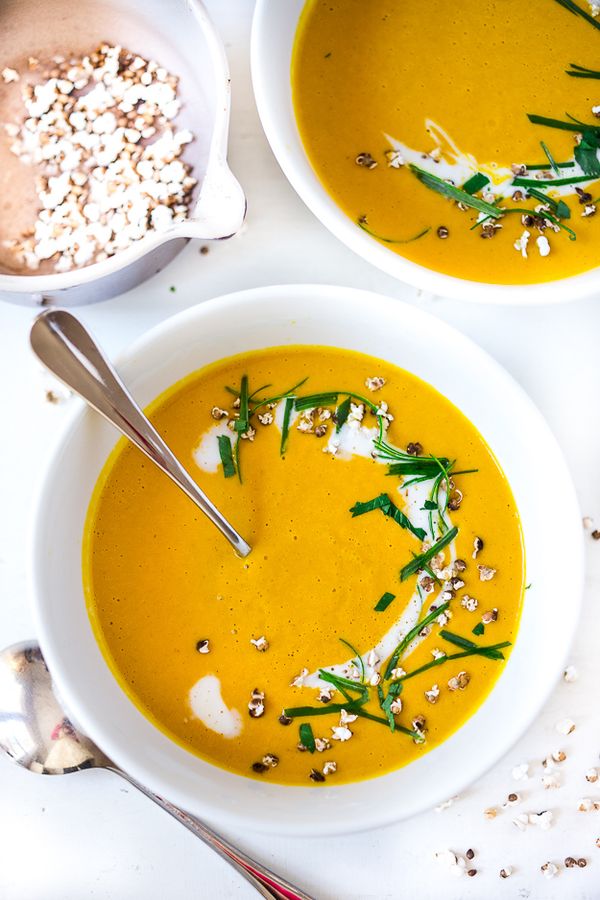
36	734
63	345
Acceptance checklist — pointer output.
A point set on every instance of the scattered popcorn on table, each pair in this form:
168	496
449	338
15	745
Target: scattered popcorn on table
456	865
544	819
549	870
521	772
565	726
551	781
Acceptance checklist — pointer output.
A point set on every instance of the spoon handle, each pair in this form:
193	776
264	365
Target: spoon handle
63	345
266	882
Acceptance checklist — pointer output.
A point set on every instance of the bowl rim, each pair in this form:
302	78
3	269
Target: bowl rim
216	170
279	124
117	747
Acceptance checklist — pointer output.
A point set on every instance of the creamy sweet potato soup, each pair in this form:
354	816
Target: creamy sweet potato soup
463	136
382	594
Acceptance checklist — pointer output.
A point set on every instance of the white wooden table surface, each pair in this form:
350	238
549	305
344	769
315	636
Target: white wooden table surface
90	836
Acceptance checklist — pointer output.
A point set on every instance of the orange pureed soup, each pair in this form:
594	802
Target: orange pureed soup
383	592
400	103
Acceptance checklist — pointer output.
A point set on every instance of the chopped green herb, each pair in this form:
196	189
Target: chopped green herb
352	705
266	401
249	405
418	465
446	658
402	463
547	215
553	165
559	207
560	124
243	423
411	635
402	520
479	629
443	479
475	183
344	684
539	167
429	571
419	561
226	454
329	398
236	456
385	601
453	193
417	737
256	404
297	712
572	7
385	703
361	664
314	400
490	652
562	210
285	428
343	412
586	153
252	396
360	508
388	508
521	181
307	738
419	480
582	72
362	223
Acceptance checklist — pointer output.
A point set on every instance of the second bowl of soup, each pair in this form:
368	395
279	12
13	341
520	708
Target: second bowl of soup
434	143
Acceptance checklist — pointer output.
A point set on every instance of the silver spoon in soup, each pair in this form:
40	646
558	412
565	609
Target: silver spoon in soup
63	345
36	733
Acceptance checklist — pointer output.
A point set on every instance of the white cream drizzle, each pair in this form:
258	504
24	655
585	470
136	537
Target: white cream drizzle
206	453
207	704
353	439
458	166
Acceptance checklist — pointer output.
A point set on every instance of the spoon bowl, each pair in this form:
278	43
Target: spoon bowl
36	733
34	730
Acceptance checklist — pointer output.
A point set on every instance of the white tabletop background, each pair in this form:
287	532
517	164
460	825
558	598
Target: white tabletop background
90	835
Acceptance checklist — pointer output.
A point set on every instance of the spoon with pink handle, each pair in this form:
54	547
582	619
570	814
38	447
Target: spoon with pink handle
36	733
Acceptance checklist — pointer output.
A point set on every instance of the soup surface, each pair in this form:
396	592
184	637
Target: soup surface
365	568
396	98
